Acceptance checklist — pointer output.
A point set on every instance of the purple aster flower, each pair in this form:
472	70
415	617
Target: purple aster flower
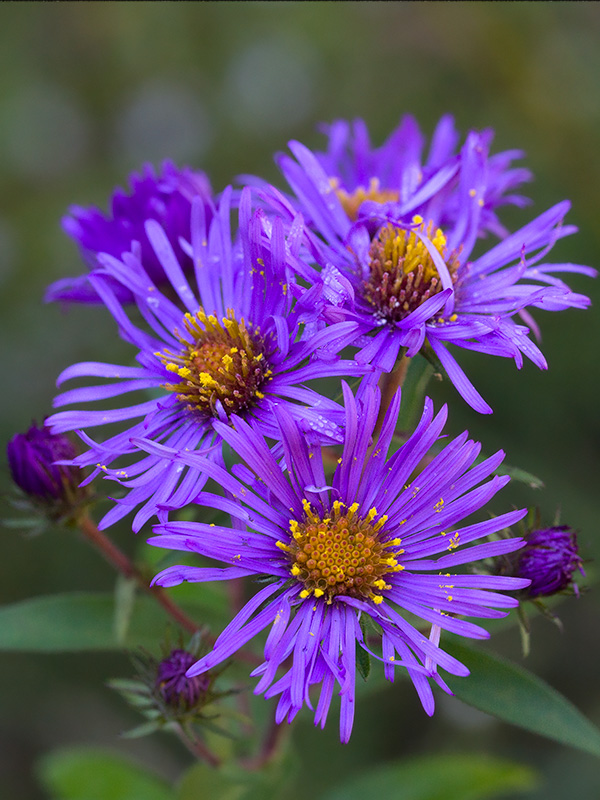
549	559
365	543
32	459
165	197
411	286
230	347
401	266
332	186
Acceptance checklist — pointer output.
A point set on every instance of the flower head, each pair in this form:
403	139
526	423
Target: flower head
162	693
400	263
166	198
54	487
549	559
231	345
333	185
365	543
177	690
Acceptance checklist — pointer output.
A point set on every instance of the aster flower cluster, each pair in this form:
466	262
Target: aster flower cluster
372	256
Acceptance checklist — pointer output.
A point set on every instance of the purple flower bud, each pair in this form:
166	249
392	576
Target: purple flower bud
549	560
31	458
175	689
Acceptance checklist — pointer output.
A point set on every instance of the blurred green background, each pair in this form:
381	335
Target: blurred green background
91	91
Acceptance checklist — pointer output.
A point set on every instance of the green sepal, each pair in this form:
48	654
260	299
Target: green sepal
363	661
145	729
520	475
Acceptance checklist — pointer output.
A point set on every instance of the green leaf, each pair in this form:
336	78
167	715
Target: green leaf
513	694
125	591
521	475
202	781
207	603
83	773
443	777
76	621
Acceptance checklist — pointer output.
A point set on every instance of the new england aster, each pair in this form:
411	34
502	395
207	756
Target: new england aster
166	198
333	185
230	347
396	239
367	543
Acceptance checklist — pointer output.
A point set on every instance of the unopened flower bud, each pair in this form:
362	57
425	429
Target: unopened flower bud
32	458
174	687
549	560
164	695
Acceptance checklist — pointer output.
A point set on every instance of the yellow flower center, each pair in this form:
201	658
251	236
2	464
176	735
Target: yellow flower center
351	201
402	272
221	360
342	554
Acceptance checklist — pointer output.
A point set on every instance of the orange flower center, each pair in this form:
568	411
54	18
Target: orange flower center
342	554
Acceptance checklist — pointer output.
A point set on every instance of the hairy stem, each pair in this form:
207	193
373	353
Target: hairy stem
389	383
196	746
273	737
123	564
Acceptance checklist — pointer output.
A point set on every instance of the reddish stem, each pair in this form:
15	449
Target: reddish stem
123	564
197	747
389	383
273	737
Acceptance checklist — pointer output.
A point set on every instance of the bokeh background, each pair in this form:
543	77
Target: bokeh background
88	92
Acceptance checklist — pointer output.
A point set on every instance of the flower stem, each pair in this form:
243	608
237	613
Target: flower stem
273	738
389	383
123	564
196	746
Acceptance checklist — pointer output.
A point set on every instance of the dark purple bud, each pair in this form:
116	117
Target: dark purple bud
549	560
32	457
175	689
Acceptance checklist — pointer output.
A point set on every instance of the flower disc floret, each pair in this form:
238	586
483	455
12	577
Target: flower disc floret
228	341
402	273
342	554
347	194
221	361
